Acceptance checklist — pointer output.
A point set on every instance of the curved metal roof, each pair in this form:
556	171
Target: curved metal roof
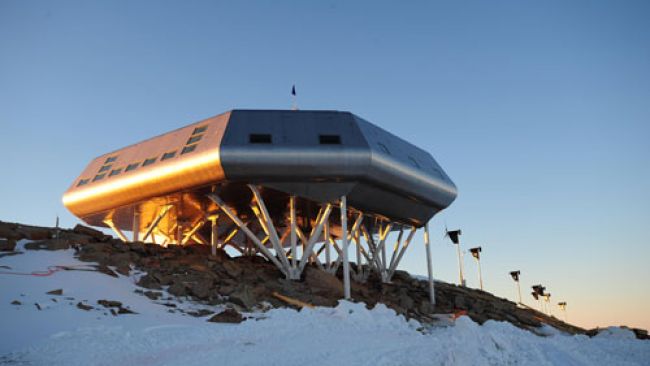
318	155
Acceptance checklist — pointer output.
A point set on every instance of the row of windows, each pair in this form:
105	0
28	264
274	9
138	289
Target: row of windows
191	144
265	138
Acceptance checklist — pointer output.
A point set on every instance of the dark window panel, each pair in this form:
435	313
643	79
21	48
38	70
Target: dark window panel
260	138
132	167
329	139
188	149
193	139
149	161
168	155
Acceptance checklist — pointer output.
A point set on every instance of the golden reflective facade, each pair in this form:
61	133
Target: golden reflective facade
97	200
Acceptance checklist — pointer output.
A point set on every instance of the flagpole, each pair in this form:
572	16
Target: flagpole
294	98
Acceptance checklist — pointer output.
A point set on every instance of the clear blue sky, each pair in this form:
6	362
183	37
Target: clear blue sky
539	111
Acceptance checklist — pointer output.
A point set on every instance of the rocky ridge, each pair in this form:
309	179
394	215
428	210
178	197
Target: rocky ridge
254	284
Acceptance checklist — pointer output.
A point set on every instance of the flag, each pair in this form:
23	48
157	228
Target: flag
293	90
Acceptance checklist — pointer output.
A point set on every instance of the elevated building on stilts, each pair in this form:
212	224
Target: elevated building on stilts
297	187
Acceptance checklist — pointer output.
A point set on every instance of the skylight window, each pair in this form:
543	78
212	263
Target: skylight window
131	167
115	172
188	149
83	182
104	168
99	177
193	139
149	161
168	155
199	130
110	159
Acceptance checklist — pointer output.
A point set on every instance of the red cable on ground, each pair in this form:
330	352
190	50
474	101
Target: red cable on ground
50	271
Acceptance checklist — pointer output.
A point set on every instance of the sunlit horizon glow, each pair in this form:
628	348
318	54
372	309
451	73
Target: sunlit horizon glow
537	111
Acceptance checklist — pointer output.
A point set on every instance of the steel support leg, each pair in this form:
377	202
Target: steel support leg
136	224
119	232
214	234
344	244
156	221
427	244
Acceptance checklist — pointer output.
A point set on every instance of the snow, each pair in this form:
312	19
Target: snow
349	334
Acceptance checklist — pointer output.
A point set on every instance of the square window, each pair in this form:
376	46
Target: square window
193	139
188	149
199	130
115	172
329	139
149	161
104	168
99	177
131	167
260	138
168	155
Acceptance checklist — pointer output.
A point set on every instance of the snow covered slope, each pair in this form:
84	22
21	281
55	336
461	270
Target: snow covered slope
60	333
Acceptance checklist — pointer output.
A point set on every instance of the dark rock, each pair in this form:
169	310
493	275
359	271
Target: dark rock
109	303
243	296
16	302
123	270
7	245
122	310
38	306
163	278
148	281
75	238
323	283
178	289
55	292
202	289
200	313
50	244
35	233
227	316
8	231
232	268
153	295
83	306
93	233
105	270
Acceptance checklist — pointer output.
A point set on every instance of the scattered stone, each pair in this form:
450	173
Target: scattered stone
58	291
96	234
48	244
243	296
7	245
83	306
227	316
153	295
38	306
200	313
105	270
16	302
178	289
109	303
122	310
148	281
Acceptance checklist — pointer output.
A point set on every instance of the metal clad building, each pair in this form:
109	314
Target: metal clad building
316	155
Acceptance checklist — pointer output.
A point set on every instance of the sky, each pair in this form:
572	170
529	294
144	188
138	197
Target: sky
538	111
